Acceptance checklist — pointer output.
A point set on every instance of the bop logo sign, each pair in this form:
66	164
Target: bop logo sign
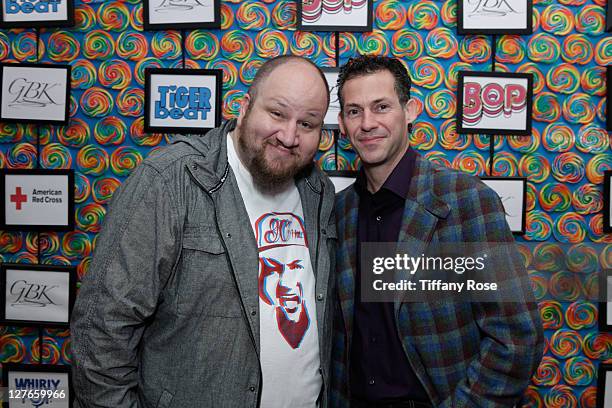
182	102
32	6
492	100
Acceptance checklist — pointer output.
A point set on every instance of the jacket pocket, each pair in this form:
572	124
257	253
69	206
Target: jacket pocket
205	281
204	239
164	400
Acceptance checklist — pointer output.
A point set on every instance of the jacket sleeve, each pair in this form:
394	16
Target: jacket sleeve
512	339
134	256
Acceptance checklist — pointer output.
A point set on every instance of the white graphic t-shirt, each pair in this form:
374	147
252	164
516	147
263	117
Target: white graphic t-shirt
287	310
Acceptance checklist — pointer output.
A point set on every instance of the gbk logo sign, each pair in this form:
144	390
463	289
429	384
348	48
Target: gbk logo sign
183	101
37	293
47	13
36	93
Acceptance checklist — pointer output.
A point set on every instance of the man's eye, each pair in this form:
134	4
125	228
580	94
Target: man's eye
276	114
383	107
307	125
352	112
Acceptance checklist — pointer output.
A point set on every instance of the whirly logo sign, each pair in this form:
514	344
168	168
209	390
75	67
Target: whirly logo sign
172	5
33	93
25	293
492	100
44	388
182	102
32	6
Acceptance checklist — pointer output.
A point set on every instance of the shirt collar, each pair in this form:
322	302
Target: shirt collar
398	181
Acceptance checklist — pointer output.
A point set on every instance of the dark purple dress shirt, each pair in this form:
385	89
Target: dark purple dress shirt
379	368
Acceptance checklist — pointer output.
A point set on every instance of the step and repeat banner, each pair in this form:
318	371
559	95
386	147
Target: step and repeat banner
513	91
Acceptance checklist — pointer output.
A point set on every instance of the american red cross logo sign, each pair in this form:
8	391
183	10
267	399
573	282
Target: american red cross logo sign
18	198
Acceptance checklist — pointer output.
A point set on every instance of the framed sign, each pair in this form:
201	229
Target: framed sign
609	16
342	179
495	103
331	118
36	13
607	199
604	386
513	194
494	17
609	91
37	385
35	93
37	200
182	100
181	14
335	15
37	295
605	301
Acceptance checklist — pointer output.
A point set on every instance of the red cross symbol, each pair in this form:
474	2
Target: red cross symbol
18	198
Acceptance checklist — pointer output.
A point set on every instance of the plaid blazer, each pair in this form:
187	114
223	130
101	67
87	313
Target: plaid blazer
465	354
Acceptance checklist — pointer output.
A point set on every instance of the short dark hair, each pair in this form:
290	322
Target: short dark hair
270	65
370	64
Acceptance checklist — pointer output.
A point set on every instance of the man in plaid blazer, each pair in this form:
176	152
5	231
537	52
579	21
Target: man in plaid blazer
441	353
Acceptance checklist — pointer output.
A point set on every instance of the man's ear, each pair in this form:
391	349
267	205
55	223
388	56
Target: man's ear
412	110
244	106
341	123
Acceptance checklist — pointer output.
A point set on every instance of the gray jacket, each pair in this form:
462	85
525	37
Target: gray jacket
168	313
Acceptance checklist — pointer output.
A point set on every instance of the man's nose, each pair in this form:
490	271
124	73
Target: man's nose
288	136
368	120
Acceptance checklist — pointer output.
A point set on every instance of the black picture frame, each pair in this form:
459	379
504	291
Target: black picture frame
338	178
25	23
150	73
48	369
603	372
605	297
486	129
607	200
522	201
178	25
39	297
609	93
43	97
493	26
335	27
5	225
609	16
331	118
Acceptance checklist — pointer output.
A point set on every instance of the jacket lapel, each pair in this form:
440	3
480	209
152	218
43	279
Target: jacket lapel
347	212
422	211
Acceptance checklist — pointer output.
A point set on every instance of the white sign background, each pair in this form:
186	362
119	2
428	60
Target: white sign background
177	11
60	14
357	17
208	81
517	120
24	110
36	213
341	183
483	19
608	390
14	376
331	118
511	194
60	295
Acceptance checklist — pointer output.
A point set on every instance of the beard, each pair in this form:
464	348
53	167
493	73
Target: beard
269	176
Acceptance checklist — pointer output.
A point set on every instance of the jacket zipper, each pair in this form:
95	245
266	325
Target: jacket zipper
244	313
